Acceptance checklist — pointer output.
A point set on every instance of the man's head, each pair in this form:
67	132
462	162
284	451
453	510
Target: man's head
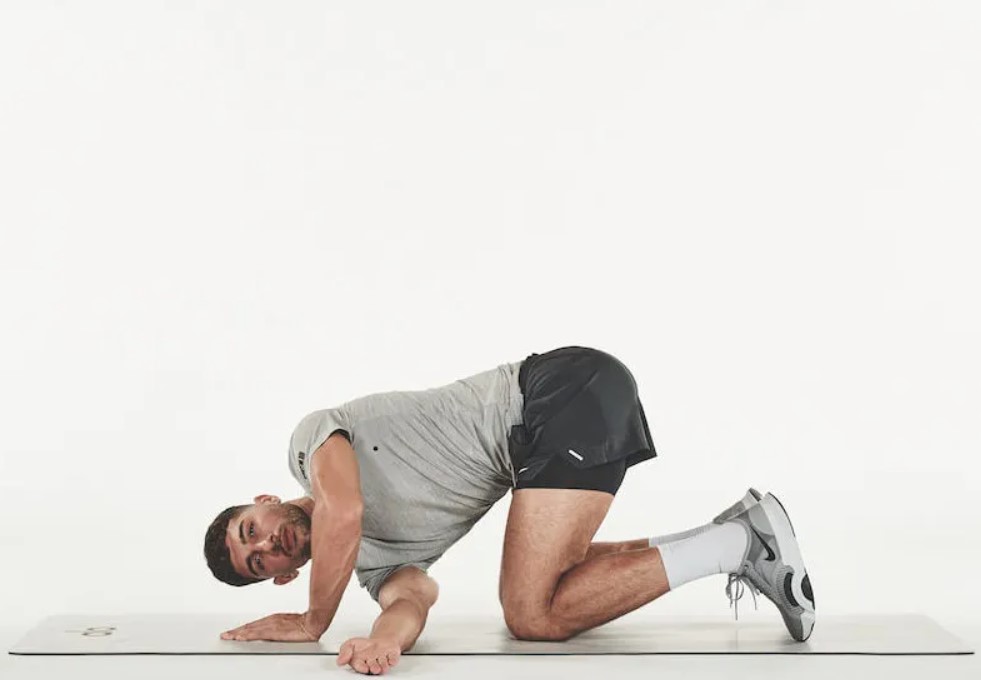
251	543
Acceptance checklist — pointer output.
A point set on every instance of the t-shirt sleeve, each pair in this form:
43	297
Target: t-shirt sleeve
373	579
307	437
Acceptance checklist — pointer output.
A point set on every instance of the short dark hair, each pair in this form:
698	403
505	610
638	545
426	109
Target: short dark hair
216	552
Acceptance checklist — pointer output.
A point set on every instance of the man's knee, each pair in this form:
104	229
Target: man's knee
530	618
540	628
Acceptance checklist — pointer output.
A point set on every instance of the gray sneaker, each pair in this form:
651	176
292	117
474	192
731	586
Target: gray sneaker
772	564
751	498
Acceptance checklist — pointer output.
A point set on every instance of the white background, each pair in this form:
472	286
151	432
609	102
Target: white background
218	218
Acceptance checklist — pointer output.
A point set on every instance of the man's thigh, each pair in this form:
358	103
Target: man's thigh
548	532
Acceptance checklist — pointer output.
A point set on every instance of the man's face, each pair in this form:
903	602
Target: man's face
270	539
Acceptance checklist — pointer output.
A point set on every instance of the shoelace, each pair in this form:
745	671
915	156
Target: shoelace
740	582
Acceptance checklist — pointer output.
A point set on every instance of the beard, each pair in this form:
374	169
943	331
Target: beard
299	522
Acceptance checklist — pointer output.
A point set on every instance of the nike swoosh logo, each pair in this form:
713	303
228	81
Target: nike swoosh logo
770	555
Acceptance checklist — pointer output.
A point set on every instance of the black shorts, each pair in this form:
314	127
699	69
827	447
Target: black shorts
583	424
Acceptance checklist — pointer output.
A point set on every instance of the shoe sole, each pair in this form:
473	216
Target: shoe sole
783	532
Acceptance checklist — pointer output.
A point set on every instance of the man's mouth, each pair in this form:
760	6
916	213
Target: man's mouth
288	541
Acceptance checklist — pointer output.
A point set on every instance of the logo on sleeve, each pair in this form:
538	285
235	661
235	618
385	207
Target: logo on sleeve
301	456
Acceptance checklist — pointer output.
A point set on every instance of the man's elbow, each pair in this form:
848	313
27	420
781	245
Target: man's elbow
422	597
409	584
428	593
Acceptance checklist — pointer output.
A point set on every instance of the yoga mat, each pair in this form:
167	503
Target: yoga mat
181	634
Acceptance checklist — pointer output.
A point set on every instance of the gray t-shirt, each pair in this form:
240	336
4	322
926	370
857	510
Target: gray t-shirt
432	462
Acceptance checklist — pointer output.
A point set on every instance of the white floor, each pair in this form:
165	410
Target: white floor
685	667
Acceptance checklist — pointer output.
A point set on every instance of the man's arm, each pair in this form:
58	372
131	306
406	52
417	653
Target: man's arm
405	599
335	528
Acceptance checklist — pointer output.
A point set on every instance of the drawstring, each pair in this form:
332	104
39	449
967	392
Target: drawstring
740	582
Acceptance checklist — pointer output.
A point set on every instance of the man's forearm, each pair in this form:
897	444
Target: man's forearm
334	552
403	621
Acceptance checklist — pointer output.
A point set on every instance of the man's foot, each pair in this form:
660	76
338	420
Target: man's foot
751	498
772	564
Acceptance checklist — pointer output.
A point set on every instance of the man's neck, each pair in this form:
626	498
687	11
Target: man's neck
304	502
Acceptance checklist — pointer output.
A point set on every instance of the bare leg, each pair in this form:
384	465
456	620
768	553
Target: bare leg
606	587
597	549
549	589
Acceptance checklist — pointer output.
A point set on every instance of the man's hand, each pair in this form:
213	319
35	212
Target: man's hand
369	655
275	627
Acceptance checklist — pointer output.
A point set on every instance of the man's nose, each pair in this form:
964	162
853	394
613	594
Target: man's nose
270	544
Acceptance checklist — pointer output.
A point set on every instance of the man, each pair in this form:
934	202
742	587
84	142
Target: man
394	479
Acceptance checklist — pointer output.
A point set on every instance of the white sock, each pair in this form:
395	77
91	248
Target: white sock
670	538
716	550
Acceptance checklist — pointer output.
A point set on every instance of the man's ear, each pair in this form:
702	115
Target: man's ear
283	579
267	498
